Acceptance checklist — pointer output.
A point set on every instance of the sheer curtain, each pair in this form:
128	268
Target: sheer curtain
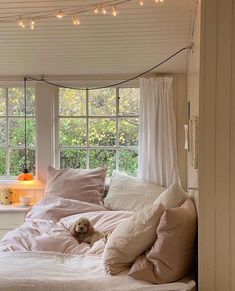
157	141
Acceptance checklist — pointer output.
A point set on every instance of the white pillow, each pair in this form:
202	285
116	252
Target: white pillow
173	196
129	193
131	238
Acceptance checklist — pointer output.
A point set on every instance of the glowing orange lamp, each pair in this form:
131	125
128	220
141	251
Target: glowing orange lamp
25	176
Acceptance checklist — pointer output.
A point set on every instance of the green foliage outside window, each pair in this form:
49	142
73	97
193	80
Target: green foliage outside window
110	138
12	140
98	129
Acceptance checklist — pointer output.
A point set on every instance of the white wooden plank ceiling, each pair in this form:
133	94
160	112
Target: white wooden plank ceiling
136	39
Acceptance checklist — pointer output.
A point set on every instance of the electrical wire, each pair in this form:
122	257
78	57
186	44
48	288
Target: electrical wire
114	84
25	123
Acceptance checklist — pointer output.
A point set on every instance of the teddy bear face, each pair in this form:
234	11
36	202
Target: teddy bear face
7	196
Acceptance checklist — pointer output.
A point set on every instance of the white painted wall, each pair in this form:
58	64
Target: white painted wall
193	88
217	147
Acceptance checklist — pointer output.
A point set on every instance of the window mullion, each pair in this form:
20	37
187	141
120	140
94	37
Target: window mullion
7	132
117	129
57	133
87	131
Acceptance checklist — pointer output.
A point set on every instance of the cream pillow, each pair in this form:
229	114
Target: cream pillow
171	256
173	196
131	238
78	184
129	193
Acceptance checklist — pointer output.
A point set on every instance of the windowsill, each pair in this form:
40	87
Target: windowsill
15	184
14	208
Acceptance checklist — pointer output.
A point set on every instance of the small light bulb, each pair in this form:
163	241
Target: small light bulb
157	1
21	23
104	11
75	20
32	24
96	9
161	1
60	14
141	3
114	11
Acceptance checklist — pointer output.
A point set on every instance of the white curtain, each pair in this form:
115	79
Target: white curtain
157	141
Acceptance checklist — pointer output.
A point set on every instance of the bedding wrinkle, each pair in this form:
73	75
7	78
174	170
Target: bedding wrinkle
41	255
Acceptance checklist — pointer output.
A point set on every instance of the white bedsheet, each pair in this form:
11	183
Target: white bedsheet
42	255
51	271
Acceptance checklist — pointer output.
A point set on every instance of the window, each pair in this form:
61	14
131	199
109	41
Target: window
12	130
99	128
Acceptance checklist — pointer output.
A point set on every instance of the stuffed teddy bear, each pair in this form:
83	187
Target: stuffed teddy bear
7	196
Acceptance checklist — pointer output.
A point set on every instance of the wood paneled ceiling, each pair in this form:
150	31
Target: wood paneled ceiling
136	39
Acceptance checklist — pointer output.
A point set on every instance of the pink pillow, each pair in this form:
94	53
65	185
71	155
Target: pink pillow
78	184
172	254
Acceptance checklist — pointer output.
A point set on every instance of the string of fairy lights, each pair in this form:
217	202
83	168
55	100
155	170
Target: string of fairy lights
110	7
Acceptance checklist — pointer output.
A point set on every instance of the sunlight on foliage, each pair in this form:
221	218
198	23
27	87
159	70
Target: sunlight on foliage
72	102
102	132
15	137
16	131
72	131
3	162
128	131
102	102
105	130
16	104
3	131
2	101
129	101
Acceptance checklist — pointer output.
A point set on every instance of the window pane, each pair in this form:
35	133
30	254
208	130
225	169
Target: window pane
128	161
3	131
128	131
2	101
73	131
102	132
17	161
16	101
3	162
16	131
72	102
72	158
129	101
103	158
102	102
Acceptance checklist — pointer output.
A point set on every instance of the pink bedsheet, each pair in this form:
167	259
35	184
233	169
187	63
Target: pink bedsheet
46	227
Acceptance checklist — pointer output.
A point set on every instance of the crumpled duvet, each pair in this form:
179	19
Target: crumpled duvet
41	255
47	224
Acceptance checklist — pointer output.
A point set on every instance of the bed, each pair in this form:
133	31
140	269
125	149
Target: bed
42	255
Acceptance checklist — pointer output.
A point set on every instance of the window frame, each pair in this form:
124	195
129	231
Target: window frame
9	147
117	147
46	107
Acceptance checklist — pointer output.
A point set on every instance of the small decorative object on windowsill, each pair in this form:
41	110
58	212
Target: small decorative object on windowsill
25	176
7	196
25	200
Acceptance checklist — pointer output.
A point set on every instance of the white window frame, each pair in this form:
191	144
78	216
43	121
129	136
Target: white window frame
7	146
46	114
116	117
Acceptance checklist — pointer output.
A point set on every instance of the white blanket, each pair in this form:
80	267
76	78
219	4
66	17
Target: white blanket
42	254
50	271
